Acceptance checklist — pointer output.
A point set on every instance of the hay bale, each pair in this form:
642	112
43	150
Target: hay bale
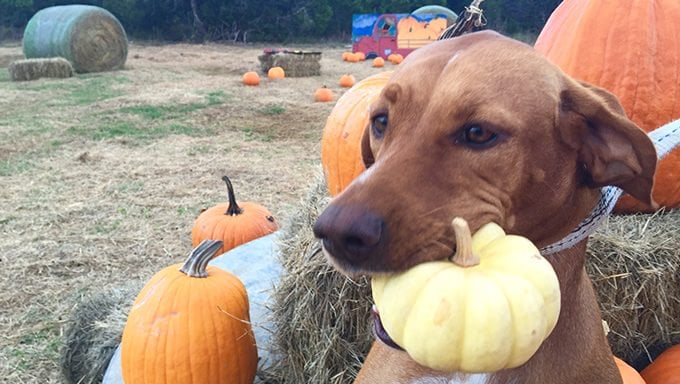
91	38
634	262
294	63
33	69
322	326
93	333
321	330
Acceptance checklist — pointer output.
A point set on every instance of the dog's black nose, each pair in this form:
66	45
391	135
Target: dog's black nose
350	233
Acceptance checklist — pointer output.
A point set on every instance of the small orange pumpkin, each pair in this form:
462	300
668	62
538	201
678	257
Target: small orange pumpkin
635	55
341	141
346	81
397	59
628	373
345	55
190	324
353	58
323	94
276	73
251	78
232	223
378	62
361	56
665	369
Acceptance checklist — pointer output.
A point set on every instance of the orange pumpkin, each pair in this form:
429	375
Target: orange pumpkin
397	59
378	62
345	55
346	81
341	141
665	369
234	224
353	58
632	51
276	73
360	55
190	324
628	373
251	78
323	95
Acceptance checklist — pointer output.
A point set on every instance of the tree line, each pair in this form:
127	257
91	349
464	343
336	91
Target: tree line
268	20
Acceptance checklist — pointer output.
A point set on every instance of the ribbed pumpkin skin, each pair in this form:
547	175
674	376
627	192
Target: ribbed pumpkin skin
665	369
632	51
341	141
186	330
253	222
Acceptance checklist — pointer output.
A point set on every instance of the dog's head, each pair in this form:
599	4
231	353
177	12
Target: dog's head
484	128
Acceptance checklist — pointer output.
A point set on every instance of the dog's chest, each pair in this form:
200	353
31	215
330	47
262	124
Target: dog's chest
477	378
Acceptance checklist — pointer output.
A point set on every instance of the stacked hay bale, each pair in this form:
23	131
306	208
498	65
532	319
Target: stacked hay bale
91	38
322	333
33	69
294	63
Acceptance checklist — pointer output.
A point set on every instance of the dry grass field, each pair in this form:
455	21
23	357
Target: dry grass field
102	175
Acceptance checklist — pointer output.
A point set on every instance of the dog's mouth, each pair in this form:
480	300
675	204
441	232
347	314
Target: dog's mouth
380	332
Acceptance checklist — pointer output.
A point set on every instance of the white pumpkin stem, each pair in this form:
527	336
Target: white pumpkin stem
197	262
464	256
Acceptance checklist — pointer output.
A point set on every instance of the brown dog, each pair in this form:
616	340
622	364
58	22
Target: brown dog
484	128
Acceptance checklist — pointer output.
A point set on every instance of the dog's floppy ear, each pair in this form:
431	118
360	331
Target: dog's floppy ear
366	151
613	150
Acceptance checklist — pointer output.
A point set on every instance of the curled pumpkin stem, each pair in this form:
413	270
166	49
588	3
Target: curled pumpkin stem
233	209
197	263
464	256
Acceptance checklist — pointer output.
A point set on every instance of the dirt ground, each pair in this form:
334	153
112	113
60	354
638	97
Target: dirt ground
102	175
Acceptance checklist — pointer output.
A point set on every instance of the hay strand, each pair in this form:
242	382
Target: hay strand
91	38
93	334
33	69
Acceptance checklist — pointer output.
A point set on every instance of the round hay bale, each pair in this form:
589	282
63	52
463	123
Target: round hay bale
91	38
33	69
321	318
93	333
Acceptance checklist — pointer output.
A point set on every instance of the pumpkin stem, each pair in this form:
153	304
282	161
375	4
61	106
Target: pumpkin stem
197	262
464	256
234	209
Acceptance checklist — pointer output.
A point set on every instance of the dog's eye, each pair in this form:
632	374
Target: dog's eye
379	125
476	135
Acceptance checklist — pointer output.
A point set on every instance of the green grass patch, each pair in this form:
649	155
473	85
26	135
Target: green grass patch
249	134
81	90
153	112
15	165
4	74
126	129
273	109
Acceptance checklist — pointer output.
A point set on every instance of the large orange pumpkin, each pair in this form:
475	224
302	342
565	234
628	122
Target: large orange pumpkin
632	50
628	373
665	369
234	224
190	325
341	142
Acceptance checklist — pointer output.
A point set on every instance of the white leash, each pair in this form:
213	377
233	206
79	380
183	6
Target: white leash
665	139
